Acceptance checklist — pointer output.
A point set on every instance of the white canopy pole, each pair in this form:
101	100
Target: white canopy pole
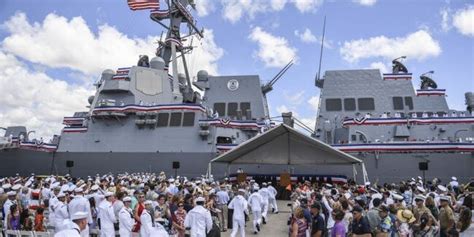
354	172
364	173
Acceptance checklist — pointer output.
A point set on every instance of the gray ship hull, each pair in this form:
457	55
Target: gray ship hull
388	167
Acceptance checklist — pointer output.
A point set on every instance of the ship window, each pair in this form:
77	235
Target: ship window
244	106
353	137
366	103
232	109
224	140
419	114
163	119
333	105
440	113
175	120
409	102
219	108
397	103
349	104
188	119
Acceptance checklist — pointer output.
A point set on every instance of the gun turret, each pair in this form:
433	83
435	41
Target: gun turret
269	86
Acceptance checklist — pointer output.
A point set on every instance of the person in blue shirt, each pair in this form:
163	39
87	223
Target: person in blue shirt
360	224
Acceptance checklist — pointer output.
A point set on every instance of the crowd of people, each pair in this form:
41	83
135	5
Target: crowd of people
143	204
405	209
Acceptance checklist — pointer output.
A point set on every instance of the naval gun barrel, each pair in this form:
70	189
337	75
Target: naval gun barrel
269	86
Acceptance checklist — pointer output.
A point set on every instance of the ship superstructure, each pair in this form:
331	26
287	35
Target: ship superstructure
394	127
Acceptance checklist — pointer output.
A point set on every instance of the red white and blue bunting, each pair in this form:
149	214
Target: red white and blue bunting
406	147
74	129
402	121
73	120
225	147
143	108
227	123
429	92
38	146
397	76
122	73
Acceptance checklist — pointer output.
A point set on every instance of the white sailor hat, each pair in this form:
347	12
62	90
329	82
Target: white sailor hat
444	198
377	195
421	189
28	183
200	199
6	186
79	215
127	199
11	193
241	190
264	184
419	177
442	188
16	187
454	178
108	194
170	180
397	196
78	190
61	195
420	197
148	202
328	185
95	187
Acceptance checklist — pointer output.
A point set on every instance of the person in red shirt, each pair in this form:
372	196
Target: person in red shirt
39	219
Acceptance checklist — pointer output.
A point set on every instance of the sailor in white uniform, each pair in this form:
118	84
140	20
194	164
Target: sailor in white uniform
255	203
107	216
8	203
76	226
126	220
61	213
198	219
272	199
265	196
81	204
146	227
239	205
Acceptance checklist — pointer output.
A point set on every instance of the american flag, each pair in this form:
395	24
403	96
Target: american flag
143	4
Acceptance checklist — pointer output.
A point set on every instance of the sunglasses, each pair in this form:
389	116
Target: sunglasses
180	205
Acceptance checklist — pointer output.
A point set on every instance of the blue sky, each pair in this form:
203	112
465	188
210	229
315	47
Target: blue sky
438	35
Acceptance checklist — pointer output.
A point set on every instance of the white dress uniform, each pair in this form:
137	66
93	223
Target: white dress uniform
255	203
126	222
239	204
272	199
265	196
6	210
73	231
61	216
107	219
81	204
199	220
146	227
53	202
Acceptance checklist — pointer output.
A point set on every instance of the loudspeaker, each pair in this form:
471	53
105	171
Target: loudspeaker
423	165
69	163
175	164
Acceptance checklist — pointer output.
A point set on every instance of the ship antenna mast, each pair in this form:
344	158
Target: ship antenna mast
318	76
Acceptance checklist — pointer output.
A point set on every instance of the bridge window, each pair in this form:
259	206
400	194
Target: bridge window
188	119
232	109
366	103
224	140
397	103
333	105
349	104
163	119
219	108
175	120
244	106
409	102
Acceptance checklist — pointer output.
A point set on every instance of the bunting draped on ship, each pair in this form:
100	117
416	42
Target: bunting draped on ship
397	76
122	73
294	178
39	146
402	121
143	4
431	92
407	147
227	123
147	108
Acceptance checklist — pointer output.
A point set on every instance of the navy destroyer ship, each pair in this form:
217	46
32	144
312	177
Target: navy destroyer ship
398	131
149	117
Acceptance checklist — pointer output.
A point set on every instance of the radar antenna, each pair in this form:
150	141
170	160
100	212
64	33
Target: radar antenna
427	82
398	67
318	81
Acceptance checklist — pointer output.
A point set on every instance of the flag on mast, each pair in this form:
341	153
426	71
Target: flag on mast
143	4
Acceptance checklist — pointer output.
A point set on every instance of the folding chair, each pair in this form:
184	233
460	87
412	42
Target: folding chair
9	233
24	233
43	234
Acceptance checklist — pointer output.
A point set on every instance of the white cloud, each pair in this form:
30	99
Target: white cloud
205	55
58	42
234	10
306	36
294	98
282	109
307	5
445	26
314	102
379	65
418	45
205	7
35	100
274	51
365	2
463	20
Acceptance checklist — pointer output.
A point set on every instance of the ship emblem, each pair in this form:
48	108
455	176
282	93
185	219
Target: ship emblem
233	85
